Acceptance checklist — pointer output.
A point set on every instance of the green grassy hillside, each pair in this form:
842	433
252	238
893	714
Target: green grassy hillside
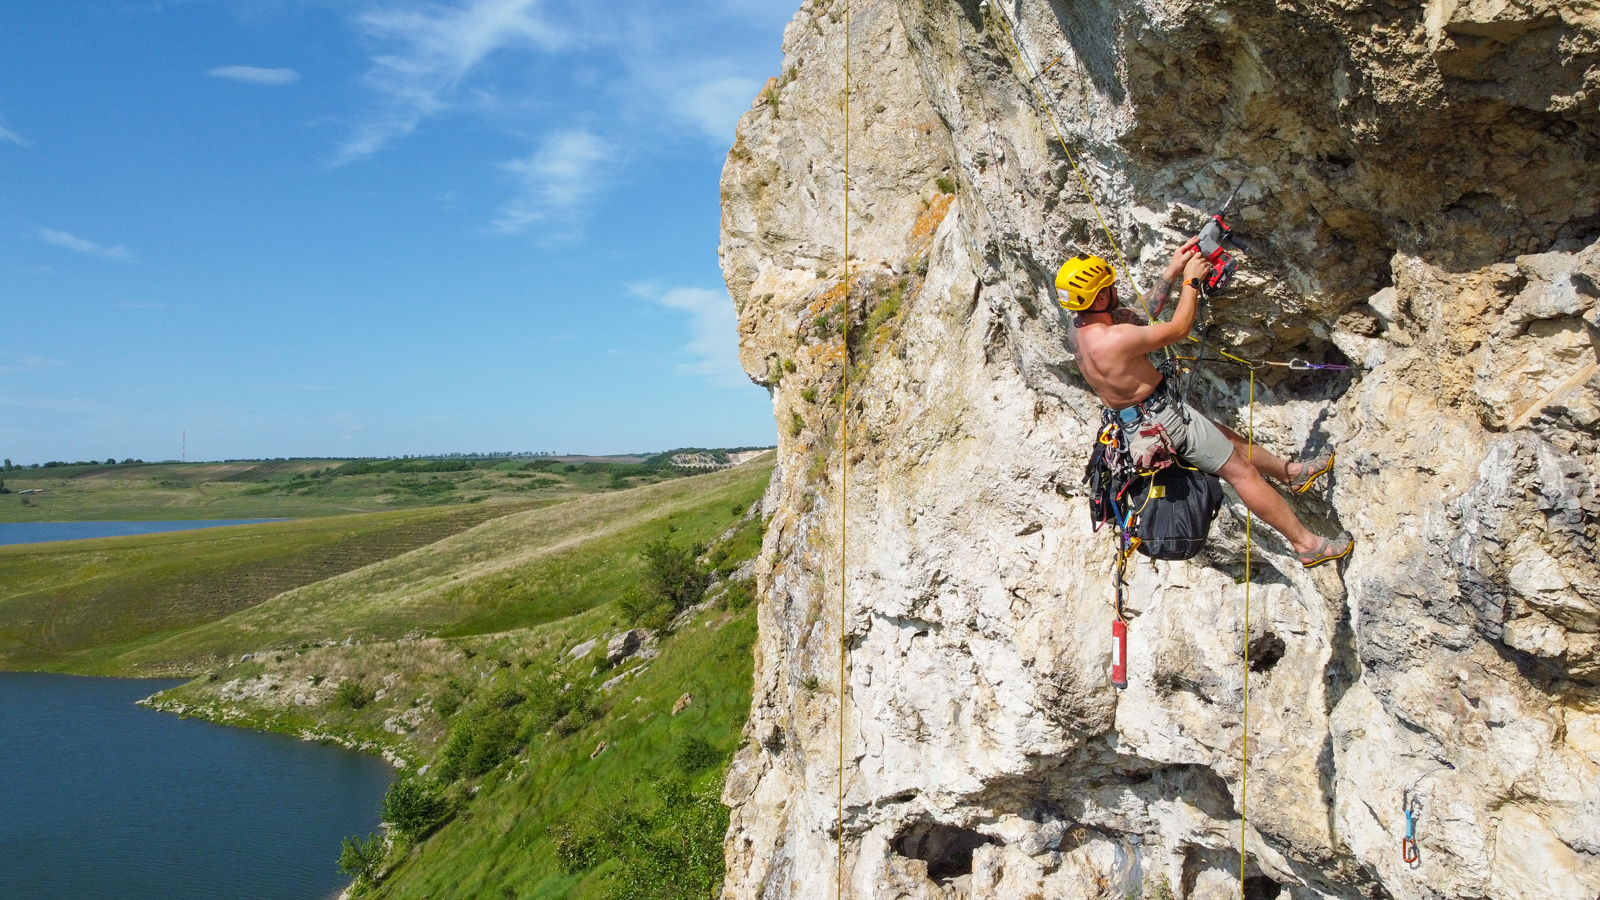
479	663
183	601
505	831
515	571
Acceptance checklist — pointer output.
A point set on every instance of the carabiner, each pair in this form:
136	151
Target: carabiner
1408	851
1304	366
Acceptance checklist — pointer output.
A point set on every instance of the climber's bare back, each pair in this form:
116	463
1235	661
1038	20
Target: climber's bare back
1112	359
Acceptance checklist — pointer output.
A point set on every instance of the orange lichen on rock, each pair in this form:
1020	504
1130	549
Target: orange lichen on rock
927	223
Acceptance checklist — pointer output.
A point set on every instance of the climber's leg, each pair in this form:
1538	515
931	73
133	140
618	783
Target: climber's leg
1266	463
1265	501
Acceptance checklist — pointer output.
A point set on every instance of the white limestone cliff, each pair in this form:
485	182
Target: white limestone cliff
1420	193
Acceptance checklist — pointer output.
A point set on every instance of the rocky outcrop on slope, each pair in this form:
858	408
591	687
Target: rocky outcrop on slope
1420	190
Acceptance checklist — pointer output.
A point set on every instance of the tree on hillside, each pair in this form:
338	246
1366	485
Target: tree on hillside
672	574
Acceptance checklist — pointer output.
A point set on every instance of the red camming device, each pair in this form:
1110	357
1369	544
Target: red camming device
1216	233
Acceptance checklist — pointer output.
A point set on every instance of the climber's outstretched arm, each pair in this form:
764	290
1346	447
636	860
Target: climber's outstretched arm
1163	287
1156	335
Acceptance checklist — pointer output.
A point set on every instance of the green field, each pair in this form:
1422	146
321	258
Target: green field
76	606
298	488
182	601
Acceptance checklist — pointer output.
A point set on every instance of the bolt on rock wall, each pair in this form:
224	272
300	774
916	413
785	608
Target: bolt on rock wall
1419	188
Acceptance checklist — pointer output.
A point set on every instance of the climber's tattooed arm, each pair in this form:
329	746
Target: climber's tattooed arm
1158	296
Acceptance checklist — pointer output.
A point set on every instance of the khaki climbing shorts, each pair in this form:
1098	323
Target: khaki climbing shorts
1199	441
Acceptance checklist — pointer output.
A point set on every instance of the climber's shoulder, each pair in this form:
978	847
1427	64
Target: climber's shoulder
1119	337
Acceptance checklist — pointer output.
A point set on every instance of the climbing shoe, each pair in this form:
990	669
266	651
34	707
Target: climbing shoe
1328	550
1310	471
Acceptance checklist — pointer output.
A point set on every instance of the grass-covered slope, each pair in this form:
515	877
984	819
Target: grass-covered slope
506	827
509	705
184	601
78	605
508	840
515	571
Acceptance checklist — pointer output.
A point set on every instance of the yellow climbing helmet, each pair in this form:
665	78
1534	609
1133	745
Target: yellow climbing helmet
1081	280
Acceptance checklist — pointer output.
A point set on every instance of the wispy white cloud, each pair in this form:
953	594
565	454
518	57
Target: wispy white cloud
256	75
25	362
713	105
714	329
434	47
554	181
12	137
73	242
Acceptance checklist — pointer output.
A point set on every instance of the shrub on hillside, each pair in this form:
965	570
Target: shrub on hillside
739	594
483	737
695	754
413	806
451	697
667	848
644	610
672	574
360	858
352	694
552	706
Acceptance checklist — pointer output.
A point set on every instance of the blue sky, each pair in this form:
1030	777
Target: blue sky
371	227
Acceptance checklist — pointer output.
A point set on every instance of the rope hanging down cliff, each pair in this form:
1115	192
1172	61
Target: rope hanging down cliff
1033	83
844	473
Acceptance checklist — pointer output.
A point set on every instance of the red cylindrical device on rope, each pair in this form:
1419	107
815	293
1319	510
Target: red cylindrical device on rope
1119	653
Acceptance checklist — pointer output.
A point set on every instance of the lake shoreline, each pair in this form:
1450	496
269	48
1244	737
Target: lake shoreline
142	805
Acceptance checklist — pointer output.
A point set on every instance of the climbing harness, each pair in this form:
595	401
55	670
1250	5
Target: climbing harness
1409	854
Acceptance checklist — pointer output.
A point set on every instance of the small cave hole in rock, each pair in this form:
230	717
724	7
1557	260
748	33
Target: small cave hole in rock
947	849
1266	651
1260	887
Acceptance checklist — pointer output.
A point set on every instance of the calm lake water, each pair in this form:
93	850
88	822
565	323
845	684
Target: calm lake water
38	532
100	798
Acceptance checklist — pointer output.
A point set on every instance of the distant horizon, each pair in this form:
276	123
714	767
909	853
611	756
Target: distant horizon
455	454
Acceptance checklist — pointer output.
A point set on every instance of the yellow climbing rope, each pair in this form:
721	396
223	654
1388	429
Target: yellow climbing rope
1244	765
1033	83
844	470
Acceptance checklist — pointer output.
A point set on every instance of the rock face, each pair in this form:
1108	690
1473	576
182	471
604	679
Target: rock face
1421	197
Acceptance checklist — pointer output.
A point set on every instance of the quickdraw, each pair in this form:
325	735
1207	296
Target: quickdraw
1409	852
1297	364
1119	627
1408	844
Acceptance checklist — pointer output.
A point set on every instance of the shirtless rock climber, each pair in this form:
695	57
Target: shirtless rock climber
1112	348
